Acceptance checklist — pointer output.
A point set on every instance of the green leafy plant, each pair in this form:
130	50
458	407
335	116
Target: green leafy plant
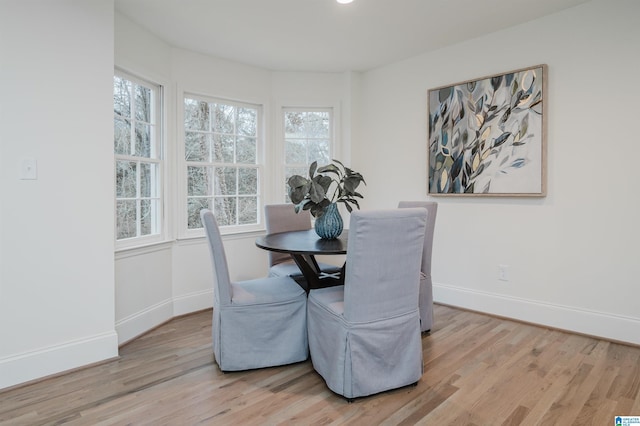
333	183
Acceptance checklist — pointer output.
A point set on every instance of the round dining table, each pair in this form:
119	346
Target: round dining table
304	246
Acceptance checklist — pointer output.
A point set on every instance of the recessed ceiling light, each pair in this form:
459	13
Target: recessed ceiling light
344	1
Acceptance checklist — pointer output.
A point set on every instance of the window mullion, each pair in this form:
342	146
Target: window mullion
132	118
138	199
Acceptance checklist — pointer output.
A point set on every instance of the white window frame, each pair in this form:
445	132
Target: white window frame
183	231
333	110
158	121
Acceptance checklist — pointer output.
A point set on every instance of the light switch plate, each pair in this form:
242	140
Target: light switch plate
29	169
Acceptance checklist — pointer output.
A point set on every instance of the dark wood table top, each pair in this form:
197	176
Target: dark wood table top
303	242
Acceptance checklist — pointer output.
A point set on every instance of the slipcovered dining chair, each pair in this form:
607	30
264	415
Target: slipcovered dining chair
256	323
282	218
425	301
364	336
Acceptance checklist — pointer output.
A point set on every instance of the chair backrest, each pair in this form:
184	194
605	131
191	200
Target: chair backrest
282	218
384	253
222	289
432	211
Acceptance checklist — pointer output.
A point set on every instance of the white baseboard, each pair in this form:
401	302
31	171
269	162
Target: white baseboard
599	324
139	323
26	367
29	366
192	302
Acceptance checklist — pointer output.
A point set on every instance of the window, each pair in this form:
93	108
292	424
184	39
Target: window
221	141
138	160
308	137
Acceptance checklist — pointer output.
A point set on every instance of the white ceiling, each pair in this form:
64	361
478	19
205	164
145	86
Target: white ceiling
322	35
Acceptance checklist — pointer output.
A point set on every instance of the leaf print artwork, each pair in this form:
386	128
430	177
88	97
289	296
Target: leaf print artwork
487	137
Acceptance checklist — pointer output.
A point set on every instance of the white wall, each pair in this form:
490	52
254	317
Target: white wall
572	256
153	284
56	246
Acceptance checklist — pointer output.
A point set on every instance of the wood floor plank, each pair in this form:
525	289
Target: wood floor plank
478	370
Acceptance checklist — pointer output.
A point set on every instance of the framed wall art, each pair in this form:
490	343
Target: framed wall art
488	136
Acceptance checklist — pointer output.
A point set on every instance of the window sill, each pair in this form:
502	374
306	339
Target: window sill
125	252
238	235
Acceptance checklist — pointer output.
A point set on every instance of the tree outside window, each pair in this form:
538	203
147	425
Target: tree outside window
221	153
137	158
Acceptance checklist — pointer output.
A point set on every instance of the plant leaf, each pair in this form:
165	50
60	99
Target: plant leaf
299	193
330	168
323	181
297	181
351	183
312	169
317	210
316	192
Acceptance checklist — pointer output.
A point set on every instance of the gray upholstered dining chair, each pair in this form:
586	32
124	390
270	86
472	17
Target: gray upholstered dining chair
256	323
364	336
282	218
426	285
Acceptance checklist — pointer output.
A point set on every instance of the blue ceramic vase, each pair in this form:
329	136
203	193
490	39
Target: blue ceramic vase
329	225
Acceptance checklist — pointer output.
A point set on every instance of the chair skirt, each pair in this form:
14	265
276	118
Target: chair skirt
261	330
360	359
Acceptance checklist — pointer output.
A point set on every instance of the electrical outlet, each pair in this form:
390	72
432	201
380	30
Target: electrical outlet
503	272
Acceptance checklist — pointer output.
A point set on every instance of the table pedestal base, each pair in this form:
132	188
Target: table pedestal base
313	277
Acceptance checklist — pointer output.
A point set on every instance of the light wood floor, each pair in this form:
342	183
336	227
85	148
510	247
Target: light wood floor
479	370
